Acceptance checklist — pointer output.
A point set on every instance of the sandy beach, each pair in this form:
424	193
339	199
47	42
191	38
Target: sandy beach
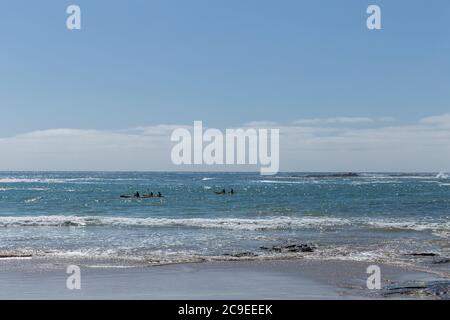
296	279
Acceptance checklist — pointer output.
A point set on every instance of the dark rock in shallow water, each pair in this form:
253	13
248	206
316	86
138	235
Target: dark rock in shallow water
299	248
289	248
241	254
441	261
424	254
7	256
438	289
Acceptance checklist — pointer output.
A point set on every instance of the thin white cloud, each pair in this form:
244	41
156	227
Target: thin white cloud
423	146
442	120
260	124
157	130
74	149
341	120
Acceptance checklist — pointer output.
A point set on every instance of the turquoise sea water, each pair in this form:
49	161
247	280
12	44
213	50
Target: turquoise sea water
376	217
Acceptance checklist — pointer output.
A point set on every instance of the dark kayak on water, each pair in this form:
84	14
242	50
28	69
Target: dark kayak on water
141	197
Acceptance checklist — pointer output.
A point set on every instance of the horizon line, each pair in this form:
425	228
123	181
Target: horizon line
231	172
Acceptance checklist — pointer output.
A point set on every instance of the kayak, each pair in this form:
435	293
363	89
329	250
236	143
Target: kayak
141	197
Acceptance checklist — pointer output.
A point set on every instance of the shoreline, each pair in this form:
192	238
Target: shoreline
34	278
292	236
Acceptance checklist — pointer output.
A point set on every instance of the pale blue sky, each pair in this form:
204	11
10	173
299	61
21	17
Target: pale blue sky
141	63
138	63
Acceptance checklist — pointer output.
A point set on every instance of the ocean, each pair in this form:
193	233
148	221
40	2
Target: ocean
398	218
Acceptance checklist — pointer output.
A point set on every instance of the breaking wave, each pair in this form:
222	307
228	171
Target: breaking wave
282	182
442	175
87	180
274	223
24	189
48	180
440	229
269	223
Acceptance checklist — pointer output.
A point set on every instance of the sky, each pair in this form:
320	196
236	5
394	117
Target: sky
107	97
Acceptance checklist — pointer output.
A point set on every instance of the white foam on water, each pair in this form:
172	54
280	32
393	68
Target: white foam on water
109	266
283	182
33	200
369	176
87	180
31	180
24	189
16	258
368	254
442	175
439	229
269	223
369	182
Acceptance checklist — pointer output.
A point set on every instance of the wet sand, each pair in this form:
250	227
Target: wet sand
296	279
